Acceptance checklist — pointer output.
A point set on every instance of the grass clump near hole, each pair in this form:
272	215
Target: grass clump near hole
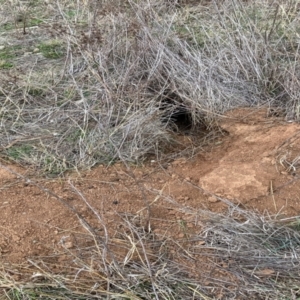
126	74
17	152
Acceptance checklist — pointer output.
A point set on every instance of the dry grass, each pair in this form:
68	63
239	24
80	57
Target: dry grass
99	81
84	82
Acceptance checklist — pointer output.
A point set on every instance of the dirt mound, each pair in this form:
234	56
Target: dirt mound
254	161
256	165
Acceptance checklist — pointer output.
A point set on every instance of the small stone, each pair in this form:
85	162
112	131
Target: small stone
36	50
2	47
265	272
68	245
212	199
16	238
158	231
179	161
201	243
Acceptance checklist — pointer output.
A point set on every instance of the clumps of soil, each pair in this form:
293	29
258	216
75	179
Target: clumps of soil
156	206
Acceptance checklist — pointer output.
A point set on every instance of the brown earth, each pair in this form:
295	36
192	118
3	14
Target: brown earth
256	165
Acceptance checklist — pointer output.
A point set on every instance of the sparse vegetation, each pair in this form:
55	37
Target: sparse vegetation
51	49
16	152
6	57
123	71
99	81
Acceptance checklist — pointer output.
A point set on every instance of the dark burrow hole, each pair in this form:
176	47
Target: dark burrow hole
178	119
177	116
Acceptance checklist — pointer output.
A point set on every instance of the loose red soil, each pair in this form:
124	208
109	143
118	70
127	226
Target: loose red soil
256	165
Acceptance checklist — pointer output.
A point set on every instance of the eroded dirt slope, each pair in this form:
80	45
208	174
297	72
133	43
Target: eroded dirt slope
256	165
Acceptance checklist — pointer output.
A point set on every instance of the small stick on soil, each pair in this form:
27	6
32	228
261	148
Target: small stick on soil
272	194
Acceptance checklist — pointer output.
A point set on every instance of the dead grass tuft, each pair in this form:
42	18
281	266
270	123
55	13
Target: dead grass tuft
101	81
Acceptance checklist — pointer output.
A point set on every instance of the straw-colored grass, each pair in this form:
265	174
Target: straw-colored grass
97	81
87	82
